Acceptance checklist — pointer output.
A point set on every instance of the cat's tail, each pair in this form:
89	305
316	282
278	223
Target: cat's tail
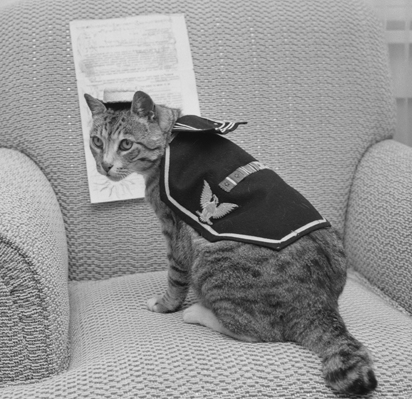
348	368
347	363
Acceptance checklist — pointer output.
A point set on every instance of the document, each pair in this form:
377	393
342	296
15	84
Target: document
113	59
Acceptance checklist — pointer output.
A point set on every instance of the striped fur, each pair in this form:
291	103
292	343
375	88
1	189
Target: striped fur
248	292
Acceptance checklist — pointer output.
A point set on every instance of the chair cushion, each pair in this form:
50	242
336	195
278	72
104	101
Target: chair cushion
122	350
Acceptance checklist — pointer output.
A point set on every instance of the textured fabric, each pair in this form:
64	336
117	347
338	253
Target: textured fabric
379	224
34	303
310	77
260	209
121	350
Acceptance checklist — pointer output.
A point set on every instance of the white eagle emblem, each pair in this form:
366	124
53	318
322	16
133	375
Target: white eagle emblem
211	207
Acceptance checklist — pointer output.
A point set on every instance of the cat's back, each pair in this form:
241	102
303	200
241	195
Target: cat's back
319	252
256	278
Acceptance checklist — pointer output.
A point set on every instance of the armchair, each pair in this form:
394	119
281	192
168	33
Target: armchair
311	78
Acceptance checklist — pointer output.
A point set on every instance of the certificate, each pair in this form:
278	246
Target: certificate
113	59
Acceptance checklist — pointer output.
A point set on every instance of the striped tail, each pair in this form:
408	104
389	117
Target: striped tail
349	368
347	363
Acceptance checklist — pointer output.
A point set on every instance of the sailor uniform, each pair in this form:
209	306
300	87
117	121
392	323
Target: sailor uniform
226	194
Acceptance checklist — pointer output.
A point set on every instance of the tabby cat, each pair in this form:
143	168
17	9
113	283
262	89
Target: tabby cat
248	292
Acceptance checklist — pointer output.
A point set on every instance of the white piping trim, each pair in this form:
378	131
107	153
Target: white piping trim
229	235
182	126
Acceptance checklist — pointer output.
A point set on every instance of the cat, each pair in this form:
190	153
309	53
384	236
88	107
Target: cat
246	291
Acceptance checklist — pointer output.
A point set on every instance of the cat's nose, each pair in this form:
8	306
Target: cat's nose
106	167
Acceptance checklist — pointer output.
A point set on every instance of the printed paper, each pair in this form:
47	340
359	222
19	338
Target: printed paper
113	59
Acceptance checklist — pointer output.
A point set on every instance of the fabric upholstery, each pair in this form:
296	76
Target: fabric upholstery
379	223
34	303
310	77
121	350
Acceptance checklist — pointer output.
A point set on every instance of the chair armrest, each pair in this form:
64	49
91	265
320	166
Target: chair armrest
34	303
378	232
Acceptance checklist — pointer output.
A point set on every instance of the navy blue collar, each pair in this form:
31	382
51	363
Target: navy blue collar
224	193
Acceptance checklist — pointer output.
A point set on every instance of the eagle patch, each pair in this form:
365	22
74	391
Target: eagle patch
211	207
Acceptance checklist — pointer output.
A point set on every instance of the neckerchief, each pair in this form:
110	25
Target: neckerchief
224	193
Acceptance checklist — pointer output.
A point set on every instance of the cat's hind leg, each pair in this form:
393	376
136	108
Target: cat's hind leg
199	314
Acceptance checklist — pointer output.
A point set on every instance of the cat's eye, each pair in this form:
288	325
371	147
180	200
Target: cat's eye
125	145
97	141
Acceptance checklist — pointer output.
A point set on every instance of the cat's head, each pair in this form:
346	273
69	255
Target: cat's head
131	139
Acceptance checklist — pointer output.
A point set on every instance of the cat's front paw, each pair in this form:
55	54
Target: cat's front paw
156	304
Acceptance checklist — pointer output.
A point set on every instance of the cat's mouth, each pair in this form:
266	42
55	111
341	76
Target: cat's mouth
112	174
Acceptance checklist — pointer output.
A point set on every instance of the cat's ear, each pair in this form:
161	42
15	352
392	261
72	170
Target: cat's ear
95	105
143	106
